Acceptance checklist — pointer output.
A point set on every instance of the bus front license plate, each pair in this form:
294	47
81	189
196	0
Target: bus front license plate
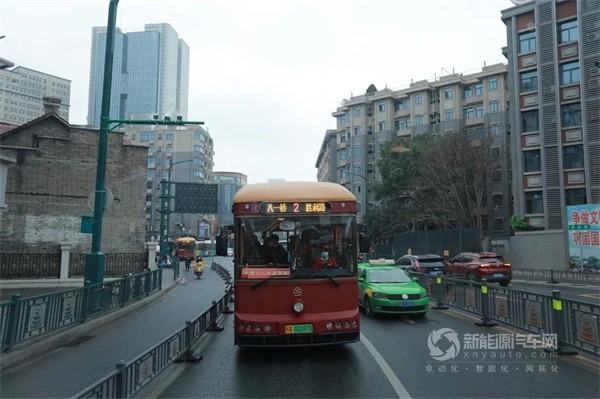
298	328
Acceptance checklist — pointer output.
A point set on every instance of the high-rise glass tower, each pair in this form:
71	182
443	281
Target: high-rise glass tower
150	74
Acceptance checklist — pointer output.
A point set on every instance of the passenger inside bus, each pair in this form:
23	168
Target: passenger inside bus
292	248
304	249
325	259
273	251
253	255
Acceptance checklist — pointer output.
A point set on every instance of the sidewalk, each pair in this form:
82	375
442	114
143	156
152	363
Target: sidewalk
63	363
45	343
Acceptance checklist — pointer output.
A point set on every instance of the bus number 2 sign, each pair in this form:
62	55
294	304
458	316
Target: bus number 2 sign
270	208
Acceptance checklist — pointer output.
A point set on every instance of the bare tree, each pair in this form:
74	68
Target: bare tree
443	180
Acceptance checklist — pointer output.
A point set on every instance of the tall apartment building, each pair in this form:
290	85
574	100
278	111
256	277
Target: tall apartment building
22	91
168	145
476	103
553	52
150	74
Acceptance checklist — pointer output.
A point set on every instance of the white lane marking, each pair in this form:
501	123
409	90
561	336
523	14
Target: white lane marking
389	373
592	295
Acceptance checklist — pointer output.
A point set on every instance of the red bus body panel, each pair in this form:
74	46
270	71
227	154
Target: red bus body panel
272	303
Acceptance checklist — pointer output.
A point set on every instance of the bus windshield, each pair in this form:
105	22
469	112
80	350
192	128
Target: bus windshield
296	247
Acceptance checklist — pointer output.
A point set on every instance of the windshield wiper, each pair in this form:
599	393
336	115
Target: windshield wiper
261	282
334	281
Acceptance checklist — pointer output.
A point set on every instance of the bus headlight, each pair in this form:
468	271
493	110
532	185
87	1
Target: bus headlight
267	327
298	306
329	325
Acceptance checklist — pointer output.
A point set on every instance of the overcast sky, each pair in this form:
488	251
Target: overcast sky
265	76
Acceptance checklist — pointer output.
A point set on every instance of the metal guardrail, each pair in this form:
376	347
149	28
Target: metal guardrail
25	318
130	377
557	276
576	323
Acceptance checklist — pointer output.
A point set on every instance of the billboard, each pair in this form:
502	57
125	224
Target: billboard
196	198
203	230
584	233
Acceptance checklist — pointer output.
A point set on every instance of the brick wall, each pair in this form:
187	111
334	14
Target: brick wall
48	189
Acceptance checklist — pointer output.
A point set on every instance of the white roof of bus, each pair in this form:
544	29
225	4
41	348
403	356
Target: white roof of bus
293	191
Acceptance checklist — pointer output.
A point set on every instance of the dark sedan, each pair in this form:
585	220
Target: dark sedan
429	263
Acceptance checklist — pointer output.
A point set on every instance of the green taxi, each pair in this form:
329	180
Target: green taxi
384	288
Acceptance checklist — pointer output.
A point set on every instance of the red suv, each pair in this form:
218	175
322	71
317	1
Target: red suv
475	266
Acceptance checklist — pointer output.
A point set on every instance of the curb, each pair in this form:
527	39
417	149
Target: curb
31	349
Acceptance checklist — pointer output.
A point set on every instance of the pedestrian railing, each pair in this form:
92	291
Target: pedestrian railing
130	377
575	323
25	318
15	266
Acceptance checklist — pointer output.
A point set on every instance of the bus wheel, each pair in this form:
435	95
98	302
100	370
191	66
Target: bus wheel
368	309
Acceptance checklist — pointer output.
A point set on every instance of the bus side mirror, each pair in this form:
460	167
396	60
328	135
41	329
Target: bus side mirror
364	243
221	245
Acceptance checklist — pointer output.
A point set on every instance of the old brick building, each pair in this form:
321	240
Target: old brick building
49	185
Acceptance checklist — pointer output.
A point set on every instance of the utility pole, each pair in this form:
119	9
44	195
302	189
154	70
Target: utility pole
95	260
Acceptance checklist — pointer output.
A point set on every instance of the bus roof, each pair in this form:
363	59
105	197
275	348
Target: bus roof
293	191
186	239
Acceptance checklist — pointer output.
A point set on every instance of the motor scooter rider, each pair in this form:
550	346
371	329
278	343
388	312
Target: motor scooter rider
199	265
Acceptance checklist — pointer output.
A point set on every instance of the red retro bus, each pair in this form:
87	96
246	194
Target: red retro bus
295	266
186	248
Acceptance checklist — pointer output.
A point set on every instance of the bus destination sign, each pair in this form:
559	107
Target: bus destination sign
271	208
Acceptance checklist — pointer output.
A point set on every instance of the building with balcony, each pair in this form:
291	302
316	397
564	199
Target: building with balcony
474	102
166	146
553	53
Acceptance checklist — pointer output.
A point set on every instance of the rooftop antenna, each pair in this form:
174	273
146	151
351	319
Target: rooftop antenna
447	73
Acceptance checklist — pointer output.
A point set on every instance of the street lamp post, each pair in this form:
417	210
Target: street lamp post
165	209
94	261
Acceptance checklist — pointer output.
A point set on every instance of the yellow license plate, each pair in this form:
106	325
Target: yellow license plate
298	328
